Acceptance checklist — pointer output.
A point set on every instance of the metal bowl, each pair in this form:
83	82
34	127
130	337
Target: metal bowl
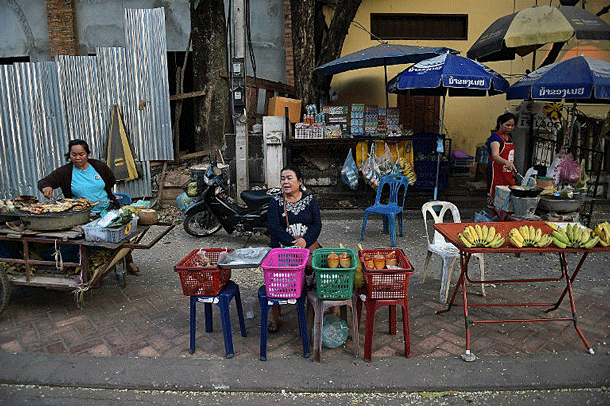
559	205
518	192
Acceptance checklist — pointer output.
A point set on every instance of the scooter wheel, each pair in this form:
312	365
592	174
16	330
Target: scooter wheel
201	224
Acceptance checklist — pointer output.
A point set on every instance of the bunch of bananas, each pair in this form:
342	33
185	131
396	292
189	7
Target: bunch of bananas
96	260
528	236
573	236
15	269
603	232
478	236
407	169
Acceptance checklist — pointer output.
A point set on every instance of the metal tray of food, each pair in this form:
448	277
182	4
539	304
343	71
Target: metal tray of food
54	221
250	257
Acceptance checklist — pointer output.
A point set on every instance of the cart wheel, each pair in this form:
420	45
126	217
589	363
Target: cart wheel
5	290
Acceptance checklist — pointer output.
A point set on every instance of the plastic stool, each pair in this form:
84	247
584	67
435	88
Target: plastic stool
230	291
319	307
266	303
372	305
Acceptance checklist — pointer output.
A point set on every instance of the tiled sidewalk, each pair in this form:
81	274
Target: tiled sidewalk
143	320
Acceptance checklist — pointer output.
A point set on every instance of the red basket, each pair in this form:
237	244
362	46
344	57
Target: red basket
284	271
387	283
200	280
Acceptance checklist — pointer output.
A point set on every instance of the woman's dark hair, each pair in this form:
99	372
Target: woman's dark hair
294	169
77	142
504	118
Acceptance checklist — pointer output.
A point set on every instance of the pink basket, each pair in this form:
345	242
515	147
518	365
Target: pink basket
284	270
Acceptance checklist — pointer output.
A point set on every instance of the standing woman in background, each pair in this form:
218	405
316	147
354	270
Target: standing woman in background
501	151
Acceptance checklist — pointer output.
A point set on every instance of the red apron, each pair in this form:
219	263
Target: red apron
500	175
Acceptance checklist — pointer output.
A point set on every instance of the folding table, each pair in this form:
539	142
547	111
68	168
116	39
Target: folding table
450	232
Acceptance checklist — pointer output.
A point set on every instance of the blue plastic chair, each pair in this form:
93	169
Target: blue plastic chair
266	303
390	210
230	291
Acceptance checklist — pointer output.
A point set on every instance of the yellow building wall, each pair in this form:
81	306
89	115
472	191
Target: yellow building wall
468	120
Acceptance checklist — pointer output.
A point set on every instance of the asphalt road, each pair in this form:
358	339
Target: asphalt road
53	396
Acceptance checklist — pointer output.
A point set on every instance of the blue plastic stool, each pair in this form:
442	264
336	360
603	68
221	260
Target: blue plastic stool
230	291
266	303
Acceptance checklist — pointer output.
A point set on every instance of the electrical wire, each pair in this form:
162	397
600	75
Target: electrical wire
252	60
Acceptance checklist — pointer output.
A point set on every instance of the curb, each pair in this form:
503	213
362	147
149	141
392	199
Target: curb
515	372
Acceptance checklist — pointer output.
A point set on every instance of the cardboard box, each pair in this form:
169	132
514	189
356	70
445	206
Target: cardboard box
278	104
502	199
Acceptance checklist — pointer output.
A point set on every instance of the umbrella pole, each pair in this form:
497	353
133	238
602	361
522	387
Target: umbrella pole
385	71
568	142
438	154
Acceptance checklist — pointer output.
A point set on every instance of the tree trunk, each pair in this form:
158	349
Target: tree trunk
305	15
303	45
209	36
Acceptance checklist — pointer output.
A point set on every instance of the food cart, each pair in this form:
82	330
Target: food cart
451	230
51	274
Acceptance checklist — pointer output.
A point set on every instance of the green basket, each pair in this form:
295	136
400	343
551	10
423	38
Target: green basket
333	283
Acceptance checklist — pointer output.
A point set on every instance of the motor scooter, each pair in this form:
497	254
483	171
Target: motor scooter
215	209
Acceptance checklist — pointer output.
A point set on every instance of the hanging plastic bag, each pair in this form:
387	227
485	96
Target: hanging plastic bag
386	161
370	169
349	172
555	168
570	169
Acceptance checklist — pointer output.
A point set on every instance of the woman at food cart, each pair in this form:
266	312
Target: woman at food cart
294	221
501	151
84	177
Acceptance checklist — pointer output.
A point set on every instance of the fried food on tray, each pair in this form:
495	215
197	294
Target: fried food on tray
56	207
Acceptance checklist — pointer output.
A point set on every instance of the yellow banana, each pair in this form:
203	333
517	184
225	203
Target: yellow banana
562	231
515	233
484	232
464	240
585	236
558	243
524	232
491	233
591	243
532	233
538	235
498	243
479	231
468	235
552	225
577	235
514	241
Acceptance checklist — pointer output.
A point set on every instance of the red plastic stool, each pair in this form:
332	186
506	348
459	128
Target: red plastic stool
372	305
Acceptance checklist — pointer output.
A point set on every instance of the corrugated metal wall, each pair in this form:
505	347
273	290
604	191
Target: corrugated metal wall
44	105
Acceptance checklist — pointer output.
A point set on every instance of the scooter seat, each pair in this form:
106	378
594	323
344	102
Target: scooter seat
255	198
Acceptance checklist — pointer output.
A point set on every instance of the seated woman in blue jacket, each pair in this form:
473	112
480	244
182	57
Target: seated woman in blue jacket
294	221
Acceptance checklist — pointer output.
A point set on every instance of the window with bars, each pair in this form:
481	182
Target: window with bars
392	26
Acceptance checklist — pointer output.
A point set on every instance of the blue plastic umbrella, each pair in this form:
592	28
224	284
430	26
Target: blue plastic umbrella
575	79
383	54
448	74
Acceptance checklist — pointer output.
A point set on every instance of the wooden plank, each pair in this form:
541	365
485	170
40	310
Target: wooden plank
45	282
188	95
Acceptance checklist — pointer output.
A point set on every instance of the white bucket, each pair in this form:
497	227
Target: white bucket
524	207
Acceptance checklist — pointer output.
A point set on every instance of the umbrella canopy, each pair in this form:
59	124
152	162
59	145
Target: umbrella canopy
383	54
453	73
575	79
526	30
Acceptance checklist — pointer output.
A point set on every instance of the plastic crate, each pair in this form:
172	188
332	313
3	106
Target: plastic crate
426	175
387	283
198	280
94	233
284	271
333	283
